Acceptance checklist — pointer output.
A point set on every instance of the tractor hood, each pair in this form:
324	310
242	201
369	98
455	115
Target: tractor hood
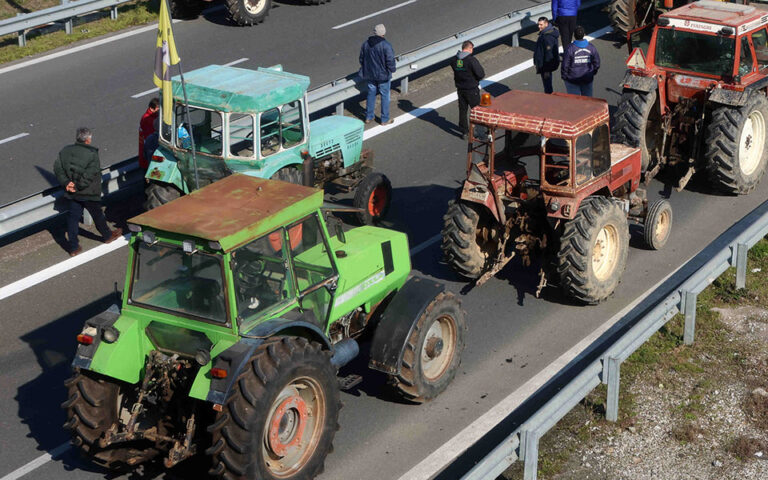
336	134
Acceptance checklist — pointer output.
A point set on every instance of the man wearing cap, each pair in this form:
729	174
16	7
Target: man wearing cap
467	74
377	64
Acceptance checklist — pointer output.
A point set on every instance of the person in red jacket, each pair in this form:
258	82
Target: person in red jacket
147	128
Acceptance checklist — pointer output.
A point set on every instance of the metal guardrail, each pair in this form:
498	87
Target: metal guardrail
42	206
64	12
601	361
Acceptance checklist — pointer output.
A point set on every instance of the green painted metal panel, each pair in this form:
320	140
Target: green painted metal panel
337	133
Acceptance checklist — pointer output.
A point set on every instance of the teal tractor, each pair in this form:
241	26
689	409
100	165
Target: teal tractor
256	122
242	301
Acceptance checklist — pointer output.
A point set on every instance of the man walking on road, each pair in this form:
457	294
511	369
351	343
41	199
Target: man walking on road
79	171
564	17
377	64
546	56
580	64
147	128
467	74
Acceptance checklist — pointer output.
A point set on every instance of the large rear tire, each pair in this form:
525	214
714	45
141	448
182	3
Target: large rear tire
281	417
433	352
468	238
593	251
638	123
160	194
736	151
290	175
248	12
373	196
627	15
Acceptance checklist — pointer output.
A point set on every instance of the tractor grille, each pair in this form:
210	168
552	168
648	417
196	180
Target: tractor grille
352	138
327	150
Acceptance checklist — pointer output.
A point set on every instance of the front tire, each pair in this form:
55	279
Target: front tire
593	251
736	151
373	196
658	224
248	12
160	194
433	352
281	417
638	123
468	238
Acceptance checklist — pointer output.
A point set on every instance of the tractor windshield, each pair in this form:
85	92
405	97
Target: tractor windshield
695	52
166	278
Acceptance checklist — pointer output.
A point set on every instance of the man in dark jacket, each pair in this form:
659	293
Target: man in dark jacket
580	64
467	74
377	64
78	170
546	56
564	14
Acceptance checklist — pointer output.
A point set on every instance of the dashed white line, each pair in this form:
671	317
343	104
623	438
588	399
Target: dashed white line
15	137
239	60
153	90
38	462
375	14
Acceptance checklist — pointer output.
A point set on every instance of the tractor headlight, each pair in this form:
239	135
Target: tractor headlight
554	206
110	335
202	357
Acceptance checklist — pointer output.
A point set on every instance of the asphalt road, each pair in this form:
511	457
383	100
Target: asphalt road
512	335
94	87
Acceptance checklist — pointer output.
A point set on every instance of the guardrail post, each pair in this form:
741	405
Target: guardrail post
529	441
515	40
404	86
22	35
340	109
68	22
87	218
113	13
689	310
741	265
611	374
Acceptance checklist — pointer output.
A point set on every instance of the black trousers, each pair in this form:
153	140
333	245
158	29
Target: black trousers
76	211
566	25
467	100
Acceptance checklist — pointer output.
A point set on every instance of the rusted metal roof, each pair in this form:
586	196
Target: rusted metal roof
704	13
555	115
234	210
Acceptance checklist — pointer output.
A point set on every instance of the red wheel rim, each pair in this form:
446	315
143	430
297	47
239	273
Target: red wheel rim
378	201
286	429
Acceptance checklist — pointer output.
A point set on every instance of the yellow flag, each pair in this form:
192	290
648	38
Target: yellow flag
165	56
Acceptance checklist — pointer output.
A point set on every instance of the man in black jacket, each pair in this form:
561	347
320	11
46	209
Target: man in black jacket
467	74
546	56
78	170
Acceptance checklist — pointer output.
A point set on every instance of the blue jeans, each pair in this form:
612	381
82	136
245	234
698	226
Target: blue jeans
383	89
76	208
546	79
583	89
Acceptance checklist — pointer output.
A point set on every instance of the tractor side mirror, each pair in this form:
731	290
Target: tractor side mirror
337	227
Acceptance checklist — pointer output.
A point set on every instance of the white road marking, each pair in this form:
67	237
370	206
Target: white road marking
10	139
374	14
438	459
80	48
153	90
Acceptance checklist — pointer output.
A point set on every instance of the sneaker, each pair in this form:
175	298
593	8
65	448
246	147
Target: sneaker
388	122
116	233
76	252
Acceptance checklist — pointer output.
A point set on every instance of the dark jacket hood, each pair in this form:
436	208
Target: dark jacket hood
373	40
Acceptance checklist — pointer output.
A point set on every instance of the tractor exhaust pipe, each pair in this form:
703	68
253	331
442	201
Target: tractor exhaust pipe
344	352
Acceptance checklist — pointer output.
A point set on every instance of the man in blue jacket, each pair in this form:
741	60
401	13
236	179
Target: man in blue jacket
580	64
377	64
546	58
564	17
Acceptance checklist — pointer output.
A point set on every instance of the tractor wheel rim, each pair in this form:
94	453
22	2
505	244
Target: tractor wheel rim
294	427
377	201
661	229
437	351
752	142
605	252
254	7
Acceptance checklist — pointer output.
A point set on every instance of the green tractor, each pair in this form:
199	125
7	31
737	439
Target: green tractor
242	301
256	122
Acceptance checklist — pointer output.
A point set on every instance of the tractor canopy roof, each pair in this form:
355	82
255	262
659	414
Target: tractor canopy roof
234	210
232	89
712	16
556	115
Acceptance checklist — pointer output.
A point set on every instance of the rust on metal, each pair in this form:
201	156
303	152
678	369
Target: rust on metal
235	204
552	115
728	14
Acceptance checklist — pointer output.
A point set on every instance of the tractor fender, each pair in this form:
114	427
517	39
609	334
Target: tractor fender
235	358
166	170
638	83
732	98
397	322
101	322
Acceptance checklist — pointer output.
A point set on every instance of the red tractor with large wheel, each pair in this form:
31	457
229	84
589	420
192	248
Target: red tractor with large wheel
694	95
543	179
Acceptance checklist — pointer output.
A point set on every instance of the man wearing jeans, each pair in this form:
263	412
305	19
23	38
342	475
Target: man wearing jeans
78	170
377	64
580	64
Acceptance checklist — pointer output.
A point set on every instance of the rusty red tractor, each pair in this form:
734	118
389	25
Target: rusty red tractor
575	215
694	95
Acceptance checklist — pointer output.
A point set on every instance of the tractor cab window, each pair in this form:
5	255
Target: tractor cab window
312	267
592	156
695	52
269	126
556	161
166	278
205	129
241	135
260	274
746	62
292	127
760	42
